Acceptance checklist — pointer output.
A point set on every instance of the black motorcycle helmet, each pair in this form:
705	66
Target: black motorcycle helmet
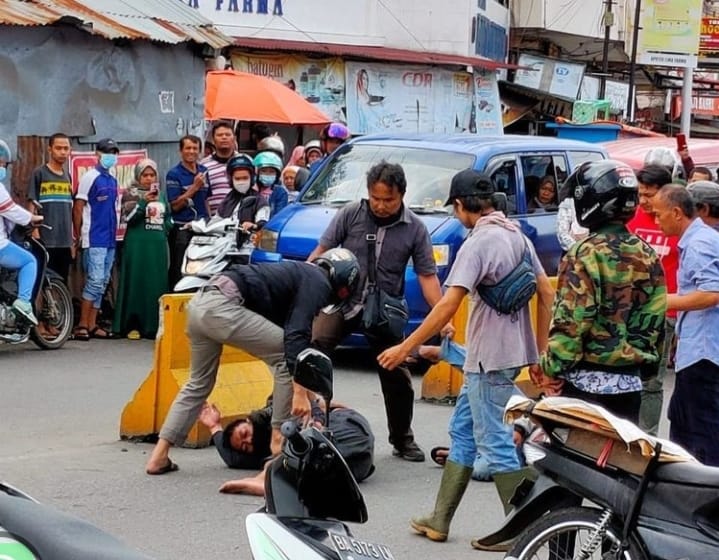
342	270
603	191
241	161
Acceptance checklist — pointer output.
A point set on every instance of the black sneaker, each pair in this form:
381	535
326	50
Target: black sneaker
410	452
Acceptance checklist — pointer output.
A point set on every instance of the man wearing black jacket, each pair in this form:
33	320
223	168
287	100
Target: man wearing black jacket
266	310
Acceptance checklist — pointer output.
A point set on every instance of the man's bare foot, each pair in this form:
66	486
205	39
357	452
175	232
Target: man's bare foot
251	486
159	460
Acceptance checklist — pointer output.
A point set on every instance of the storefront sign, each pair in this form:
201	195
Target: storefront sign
701	106
319	81
556	77
273	7
124	171
617	93
384	97
709	38
669	33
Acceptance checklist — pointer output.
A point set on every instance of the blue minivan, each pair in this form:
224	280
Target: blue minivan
516	163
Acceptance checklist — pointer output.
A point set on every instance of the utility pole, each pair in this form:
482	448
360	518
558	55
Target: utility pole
633	63
608	22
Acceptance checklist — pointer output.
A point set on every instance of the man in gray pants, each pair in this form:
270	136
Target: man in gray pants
266	310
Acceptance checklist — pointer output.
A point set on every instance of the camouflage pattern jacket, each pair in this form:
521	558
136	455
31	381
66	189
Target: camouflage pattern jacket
609	308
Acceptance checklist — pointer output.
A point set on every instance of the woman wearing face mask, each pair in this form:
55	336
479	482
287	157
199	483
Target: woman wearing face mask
143	272
12	256
242	203
269	172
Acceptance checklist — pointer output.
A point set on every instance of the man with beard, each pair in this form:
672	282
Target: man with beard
396	234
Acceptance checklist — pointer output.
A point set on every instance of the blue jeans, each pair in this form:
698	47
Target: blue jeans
14	257
477	425
97	262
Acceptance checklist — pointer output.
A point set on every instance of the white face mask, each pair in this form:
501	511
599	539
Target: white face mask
241	186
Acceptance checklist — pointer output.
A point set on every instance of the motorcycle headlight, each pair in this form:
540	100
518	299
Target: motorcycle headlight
268	240
441	254
193	267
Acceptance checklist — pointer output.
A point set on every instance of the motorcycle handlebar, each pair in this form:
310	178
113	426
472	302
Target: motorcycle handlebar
299	445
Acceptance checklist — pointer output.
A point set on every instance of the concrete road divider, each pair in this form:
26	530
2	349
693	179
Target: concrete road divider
443	382
243	382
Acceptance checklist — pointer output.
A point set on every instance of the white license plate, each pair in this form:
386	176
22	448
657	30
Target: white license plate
350	548
203	240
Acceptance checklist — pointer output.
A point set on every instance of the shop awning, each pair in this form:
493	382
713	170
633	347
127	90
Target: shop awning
384	54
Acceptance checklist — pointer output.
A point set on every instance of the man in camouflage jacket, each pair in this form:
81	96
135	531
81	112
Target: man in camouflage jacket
607	329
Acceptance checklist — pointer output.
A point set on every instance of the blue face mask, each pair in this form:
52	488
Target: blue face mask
267	180
3	173
108	160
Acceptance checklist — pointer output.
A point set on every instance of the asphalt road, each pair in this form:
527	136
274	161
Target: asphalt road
59	421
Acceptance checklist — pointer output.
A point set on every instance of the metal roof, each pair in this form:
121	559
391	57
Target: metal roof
369	52
167	21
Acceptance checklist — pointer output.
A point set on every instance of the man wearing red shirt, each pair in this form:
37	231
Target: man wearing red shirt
652	178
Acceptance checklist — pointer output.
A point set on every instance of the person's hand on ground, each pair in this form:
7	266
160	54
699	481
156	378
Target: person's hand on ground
392	357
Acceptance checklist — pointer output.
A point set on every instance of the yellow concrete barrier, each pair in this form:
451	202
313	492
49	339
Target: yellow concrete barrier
443	381
243	382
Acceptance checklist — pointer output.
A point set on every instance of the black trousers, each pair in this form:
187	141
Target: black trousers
59	260
329	330
178	240
694	411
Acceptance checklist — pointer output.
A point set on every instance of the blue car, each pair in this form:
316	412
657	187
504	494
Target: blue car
518	164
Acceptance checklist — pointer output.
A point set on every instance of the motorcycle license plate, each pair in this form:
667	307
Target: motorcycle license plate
350	548
197	240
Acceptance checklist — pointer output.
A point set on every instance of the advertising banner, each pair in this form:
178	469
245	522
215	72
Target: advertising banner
384	97
319	81
124	172
489	121
556	77
669	33
702	106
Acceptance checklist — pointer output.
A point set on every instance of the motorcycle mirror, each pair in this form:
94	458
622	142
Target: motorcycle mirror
314	372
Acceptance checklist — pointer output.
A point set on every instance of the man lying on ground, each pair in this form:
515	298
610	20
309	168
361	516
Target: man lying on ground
245	443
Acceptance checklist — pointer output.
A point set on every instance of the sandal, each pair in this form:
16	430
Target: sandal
101	334
81	333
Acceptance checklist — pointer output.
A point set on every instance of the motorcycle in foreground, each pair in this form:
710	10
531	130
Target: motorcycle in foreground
52	301
648	499
310	491
30	530
215	245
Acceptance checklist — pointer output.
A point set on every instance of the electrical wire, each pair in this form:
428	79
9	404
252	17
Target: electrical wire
409	32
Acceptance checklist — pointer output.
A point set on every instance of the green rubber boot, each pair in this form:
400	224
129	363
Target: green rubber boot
435	527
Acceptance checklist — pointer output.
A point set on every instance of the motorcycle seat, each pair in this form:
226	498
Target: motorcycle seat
694	474
53	534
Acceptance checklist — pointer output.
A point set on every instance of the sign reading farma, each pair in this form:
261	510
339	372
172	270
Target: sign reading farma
273	7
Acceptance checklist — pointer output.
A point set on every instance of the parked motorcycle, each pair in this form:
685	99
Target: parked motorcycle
661	511
52	302
310	491
215	245
30	530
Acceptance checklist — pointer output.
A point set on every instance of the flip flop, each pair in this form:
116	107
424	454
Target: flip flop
436	457
168	468
106	335
81	333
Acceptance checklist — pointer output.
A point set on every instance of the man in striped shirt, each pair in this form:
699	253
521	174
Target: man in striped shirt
223	137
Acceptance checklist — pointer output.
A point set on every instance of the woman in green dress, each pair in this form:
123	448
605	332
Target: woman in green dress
144	264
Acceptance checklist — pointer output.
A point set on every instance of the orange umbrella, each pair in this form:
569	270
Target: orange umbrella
247	97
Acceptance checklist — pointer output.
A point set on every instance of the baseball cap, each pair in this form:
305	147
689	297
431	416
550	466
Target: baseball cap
470	183
107	146
706	192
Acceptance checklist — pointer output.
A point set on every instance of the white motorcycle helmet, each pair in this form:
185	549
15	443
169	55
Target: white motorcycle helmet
665	157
